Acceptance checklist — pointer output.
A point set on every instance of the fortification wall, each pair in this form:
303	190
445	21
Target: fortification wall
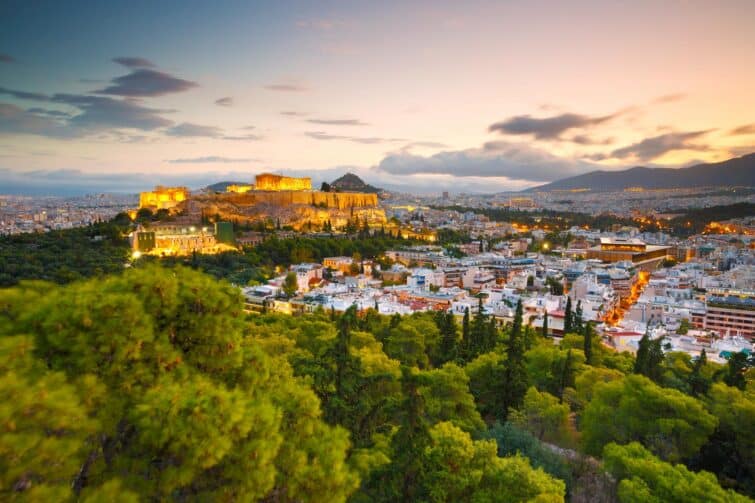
267	181
339	200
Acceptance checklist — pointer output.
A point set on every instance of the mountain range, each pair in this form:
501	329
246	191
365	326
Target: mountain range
739	171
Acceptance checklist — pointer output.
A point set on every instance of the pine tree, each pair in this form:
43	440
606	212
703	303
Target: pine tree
568	317
587	333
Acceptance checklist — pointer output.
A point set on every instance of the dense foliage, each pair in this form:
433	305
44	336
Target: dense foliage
153	384
66	255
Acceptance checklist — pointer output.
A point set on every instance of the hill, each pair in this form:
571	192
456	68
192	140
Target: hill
739	171
352	183
222	186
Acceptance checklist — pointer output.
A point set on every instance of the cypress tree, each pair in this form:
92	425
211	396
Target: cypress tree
577	321
449	336
567	317
465	333
587	332
566	377
545	324
514	384
698	384
643	353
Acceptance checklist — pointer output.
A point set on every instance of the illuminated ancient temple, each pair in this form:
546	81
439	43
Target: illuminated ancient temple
267	181
163	198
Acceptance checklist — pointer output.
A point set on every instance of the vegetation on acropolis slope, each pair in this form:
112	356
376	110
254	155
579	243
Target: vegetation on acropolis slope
152	384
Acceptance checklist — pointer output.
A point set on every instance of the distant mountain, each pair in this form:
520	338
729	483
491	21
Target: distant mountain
739	171
352	183
222	186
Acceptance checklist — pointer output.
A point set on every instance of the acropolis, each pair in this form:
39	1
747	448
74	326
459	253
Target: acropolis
163	198
267	181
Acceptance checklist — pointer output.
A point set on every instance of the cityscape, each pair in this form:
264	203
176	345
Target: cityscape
542	290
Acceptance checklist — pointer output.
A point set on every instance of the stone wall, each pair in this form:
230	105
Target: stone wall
267	181
338	200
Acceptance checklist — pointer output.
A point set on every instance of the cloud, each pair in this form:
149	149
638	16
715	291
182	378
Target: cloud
652	148
549	128
66	182
131	62
582	139
188	129
338	122
669	98
56	114
424	144
16	120
99	112
95	114
224	102
24	95
290	113
742	130
243	137
210	159
286	87
6	58
320	135
513	161
144	83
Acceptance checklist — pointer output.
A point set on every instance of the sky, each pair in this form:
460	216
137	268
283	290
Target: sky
416	96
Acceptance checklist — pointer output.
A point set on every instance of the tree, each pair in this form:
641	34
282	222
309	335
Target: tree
735	370
568	319
649	358
486	377
672	425
587	335
698	383
545	324
515	382
730	451
447	398
576	324
449	337
566	376
465	336
402	480
325	187
290	284
644	477
132	353
683	327
461	469
543	415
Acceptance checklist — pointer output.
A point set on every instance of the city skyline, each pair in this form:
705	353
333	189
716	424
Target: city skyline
419	97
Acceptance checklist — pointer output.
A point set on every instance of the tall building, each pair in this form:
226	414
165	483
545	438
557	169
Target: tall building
730	312
630	249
